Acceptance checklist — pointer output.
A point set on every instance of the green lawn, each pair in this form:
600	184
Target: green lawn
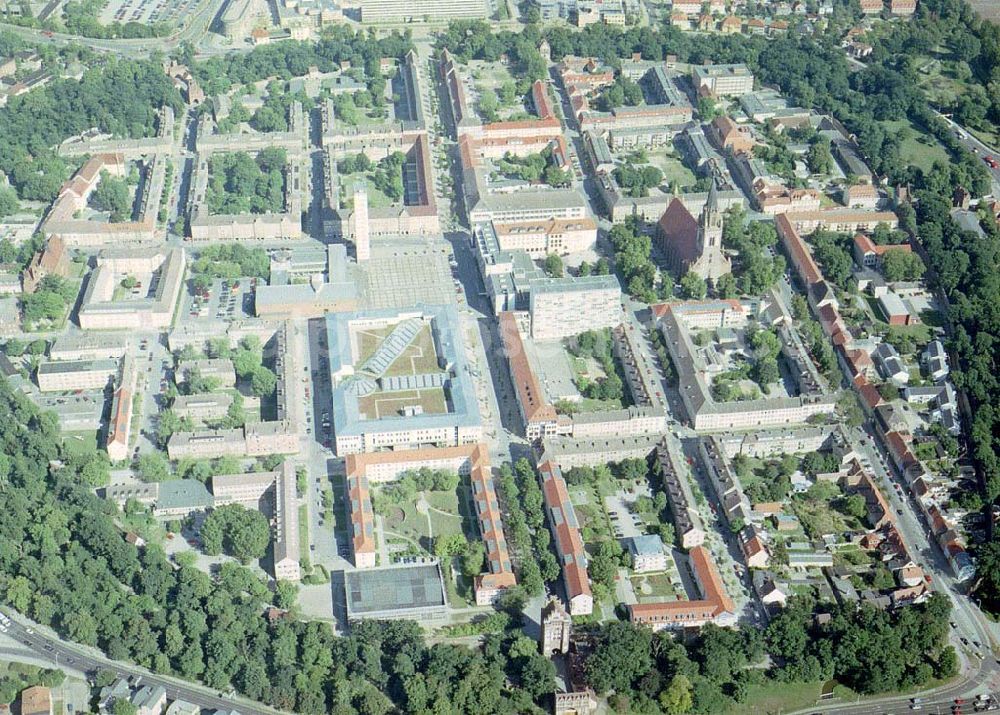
917	148
445	501
444	525
376	198
658	586
303	534
84	443
405	520
673	169
772	698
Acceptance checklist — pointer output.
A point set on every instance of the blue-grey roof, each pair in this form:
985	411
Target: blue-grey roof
446	326
646	545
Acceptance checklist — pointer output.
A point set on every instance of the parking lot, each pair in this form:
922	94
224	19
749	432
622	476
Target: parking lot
147	11
223	301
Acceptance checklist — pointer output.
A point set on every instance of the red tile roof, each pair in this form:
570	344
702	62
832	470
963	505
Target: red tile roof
865	245
796	248
529	391
715	600
565	530
678	231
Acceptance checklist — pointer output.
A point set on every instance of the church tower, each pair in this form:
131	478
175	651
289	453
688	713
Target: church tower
712	263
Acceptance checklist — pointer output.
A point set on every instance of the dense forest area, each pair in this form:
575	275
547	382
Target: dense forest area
120	97
65	563
868	650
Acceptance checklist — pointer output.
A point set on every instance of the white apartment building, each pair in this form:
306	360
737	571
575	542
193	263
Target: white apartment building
67	375
722	80
562	308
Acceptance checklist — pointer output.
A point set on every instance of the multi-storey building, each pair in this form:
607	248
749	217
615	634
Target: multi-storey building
566	539
722	80
714	606
68	375
563	308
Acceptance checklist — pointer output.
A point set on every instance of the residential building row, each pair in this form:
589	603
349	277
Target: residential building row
468	460
565	528
273	492
73	198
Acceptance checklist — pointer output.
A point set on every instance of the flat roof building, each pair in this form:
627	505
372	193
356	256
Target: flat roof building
722	80
360	386
397	592
69	375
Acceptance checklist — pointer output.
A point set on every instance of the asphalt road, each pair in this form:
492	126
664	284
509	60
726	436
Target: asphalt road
985	678
49	647
193	31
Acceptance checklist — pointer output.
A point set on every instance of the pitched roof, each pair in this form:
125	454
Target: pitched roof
679	230
565	530
529	391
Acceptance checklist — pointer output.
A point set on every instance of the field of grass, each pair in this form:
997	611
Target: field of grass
654	588
412	525
376	199
405	520
80	442
917	148
673	169
303	534
445	524
379	405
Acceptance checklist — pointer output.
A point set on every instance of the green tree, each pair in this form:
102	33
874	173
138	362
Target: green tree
622	654
239	532
693	286
676	698
8	201
538	675
854	505
902	265
553	265
14	348
818	157
112	195
263	381
152	467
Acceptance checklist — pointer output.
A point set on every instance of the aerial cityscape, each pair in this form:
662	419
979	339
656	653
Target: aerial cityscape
499	356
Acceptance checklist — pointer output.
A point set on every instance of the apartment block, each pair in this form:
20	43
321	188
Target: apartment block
69	375
563	308
714	606
722	80
566	539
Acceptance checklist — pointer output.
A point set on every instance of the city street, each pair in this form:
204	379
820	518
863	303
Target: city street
42	643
